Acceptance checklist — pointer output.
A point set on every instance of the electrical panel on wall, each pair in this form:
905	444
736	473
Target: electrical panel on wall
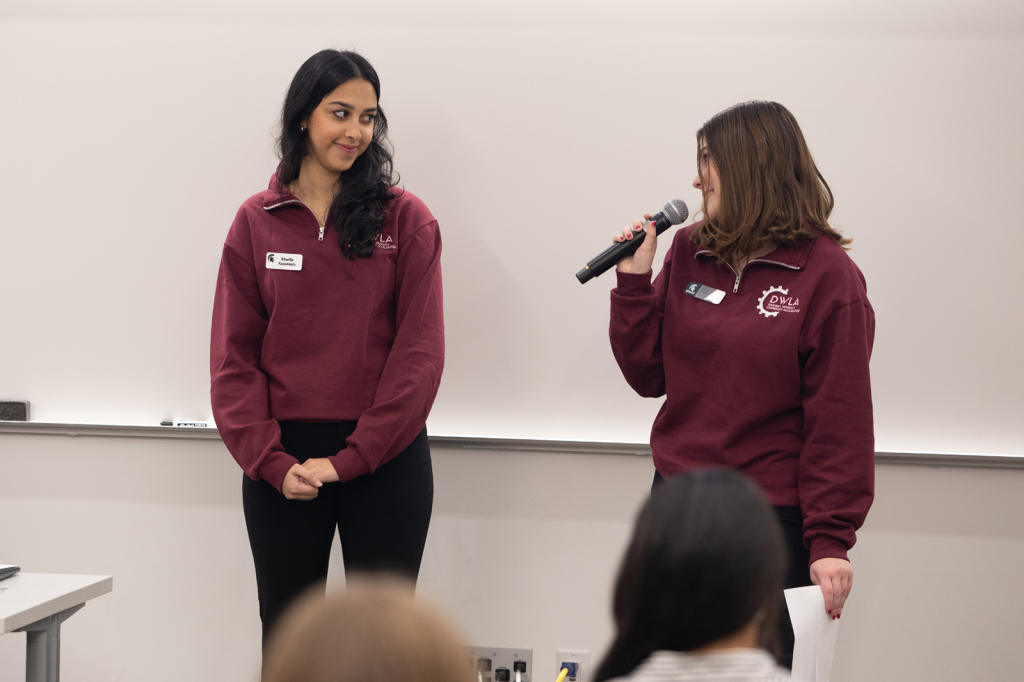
576	663
497	664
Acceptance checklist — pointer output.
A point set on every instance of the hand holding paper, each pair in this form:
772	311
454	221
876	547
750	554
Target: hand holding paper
815	632
835	576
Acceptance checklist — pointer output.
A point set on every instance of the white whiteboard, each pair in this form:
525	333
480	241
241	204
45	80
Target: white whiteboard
130	136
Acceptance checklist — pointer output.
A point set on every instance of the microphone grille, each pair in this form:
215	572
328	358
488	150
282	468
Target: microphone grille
676	211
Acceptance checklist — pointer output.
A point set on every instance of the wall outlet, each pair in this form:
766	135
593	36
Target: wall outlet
581	659
497	664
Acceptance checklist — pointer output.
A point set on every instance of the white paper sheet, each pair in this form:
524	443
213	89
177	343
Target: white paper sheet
815	632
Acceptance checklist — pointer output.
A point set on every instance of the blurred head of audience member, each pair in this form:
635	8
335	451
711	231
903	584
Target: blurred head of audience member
372	632
703	572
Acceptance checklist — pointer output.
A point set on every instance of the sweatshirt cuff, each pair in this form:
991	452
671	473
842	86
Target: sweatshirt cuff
349	465
275	467
631	284
823	547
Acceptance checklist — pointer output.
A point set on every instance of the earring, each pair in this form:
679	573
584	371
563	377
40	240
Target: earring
302	129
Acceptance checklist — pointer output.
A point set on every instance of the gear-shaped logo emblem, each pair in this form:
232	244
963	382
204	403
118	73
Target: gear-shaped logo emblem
764	295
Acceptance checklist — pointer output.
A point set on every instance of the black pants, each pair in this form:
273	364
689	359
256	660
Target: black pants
797	574
382	518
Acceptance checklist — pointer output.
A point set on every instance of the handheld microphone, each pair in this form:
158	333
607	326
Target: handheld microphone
674	213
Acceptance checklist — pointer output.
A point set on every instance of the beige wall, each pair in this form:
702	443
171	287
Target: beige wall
522	552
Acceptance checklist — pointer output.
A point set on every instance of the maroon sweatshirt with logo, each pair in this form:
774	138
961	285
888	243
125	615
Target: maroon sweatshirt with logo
772	380
337	340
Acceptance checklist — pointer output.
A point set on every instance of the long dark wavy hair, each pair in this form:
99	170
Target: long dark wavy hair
771	190
360	207
706	559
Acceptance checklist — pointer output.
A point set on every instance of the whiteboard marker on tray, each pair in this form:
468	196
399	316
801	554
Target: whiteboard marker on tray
188	424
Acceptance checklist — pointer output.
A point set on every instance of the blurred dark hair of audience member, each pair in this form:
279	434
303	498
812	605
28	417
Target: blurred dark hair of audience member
372	632
700	585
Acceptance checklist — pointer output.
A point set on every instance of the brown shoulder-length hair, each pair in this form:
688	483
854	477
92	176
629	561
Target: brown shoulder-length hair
770	189
372	632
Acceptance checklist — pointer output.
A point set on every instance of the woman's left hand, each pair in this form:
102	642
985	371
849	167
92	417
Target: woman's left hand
836	579
322	469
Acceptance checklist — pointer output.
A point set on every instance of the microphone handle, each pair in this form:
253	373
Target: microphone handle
619	250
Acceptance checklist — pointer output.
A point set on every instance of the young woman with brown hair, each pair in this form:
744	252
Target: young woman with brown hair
374	632
758	331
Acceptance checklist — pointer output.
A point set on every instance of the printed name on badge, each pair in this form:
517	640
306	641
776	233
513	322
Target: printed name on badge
284	261
705	293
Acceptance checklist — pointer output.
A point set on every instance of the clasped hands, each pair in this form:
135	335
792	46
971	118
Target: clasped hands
303	481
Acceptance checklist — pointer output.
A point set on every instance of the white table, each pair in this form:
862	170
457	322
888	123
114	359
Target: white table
37	604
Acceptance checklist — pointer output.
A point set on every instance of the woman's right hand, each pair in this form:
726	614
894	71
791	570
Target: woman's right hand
300	484
643	258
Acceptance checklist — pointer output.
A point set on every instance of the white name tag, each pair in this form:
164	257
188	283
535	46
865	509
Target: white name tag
284	261
705	293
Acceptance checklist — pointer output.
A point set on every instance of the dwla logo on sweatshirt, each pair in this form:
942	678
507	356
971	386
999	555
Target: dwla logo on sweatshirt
777	300
384	243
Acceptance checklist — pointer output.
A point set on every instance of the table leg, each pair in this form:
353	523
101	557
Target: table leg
42	656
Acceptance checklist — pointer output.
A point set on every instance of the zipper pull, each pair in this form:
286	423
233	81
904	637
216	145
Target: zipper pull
321	234
736	287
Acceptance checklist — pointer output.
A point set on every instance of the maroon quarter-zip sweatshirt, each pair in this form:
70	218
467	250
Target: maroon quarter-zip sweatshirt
772	380
328	339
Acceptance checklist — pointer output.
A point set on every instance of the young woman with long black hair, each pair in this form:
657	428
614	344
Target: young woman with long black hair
698	589
328	343
758	331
